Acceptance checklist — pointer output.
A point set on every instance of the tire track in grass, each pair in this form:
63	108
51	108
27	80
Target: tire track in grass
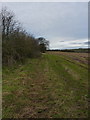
80	75
73	87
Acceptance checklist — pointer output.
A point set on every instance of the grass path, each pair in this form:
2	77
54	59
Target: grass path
50	87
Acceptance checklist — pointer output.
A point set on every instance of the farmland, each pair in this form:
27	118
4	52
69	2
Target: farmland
52	86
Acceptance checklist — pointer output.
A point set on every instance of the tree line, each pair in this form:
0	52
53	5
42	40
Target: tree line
17	44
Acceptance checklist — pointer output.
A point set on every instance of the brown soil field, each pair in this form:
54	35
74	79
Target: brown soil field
78	57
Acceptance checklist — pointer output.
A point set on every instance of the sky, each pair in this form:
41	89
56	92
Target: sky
64	24
44	0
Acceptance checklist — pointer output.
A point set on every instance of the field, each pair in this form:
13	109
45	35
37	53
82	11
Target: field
53	86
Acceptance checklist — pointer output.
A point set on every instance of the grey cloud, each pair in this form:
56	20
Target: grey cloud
62	41
87	42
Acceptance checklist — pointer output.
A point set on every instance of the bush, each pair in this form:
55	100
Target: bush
17	45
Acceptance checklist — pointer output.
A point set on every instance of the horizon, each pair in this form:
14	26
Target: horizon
70	49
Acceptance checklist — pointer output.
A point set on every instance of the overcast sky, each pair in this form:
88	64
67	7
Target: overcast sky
64	24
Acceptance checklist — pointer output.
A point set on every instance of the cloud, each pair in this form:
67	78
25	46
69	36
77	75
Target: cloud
87	43
72	43
66	21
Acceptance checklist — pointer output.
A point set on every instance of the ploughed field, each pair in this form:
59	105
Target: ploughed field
52	86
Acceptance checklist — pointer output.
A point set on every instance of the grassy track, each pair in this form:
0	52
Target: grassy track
52	87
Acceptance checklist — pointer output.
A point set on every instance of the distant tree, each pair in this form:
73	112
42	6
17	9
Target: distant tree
43	44
42	48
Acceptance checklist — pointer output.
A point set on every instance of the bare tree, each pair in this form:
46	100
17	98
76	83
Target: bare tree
9	24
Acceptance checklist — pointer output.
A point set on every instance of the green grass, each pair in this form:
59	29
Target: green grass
47	87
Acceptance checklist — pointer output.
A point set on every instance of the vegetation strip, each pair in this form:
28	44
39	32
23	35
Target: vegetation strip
45	87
